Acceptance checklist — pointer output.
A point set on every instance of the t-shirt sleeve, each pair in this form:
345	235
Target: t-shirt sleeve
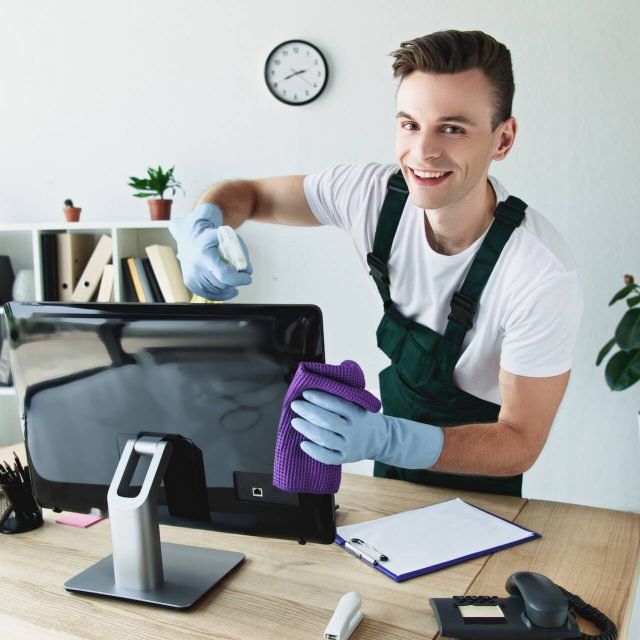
540	335
342	196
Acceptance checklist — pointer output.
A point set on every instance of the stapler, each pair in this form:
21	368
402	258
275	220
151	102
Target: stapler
346	617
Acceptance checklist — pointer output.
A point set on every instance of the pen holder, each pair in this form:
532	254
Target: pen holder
19	511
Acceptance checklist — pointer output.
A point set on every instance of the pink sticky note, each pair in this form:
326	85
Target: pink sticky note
82	520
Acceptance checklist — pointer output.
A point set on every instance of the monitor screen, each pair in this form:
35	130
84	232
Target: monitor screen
91	376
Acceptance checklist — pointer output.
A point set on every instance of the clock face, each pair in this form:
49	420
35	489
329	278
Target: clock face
296	72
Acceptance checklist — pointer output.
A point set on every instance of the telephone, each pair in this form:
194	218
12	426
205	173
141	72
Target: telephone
535	608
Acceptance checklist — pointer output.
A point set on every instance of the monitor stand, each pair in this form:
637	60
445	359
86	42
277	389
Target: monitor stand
141	568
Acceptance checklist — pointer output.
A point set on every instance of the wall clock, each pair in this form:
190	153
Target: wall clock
296	72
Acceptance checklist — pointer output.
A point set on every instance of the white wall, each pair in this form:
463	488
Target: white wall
93	92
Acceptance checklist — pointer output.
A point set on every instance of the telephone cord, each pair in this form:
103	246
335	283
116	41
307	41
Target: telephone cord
586	611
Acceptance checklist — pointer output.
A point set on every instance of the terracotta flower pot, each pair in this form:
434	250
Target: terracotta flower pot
160	209
72	214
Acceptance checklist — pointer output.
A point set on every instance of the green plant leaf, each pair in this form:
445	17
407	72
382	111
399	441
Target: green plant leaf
632	302
623	370
623	293
143	195
605	350
138	183
628	331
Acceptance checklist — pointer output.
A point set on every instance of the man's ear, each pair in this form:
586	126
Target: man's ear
506	135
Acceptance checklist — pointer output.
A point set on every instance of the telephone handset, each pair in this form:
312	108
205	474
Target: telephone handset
544	604
535	608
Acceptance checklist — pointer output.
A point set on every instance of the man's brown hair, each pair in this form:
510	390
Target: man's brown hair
454	51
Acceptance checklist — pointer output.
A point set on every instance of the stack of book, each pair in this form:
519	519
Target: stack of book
156	278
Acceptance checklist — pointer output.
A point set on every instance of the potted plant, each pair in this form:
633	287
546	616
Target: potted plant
623	368
155	184
71	213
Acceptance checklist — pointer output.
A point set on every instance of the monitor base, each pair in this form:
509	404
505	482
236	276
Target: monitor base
189	573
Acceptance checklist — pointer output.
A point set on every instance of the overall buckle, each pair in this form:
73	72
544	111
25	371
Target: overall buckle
379	269
463	309
397	183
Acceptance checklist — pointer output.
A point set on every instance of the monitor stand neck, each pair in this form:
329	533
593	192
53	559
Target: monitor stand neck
142	568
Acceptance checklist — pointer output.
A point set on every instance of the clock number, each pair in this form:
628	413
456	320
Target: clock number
319	73
296	49
306	93
275	84
295	97
285	53
276	62
315	61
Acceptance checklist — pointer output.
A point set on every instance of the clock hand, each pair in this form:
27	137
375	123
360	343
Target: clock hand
295	73
309	83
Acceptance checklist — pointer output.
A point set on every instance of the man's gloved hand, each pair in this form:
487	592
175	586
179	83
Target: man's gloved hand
204	272
340	431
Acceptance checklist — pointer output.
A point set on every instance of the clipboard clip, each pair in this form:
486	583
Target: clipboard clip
346	617
365	551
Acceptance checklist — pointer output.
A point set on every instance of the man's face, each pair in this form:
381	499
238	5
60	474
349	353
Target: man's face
444	125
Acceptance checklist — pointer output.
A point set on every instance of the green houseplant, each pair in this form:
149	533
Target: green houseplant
155	184
623	368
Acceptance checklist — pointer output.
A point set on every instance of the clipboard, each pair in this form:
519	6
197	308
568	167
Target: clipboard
413	543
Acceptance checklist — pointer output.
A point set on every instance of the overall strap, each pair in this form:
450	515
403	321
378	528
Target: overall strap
507	217
390	215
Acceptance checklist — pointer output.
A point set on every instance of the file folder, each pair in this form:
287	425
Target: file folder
105	292
74	250
412	543
90	278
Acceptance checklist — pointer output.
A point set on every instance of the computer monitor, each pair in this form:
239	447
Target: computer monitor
90	377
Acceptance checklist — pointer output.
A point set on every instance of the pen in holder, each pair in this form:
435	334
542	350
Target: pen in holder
19	510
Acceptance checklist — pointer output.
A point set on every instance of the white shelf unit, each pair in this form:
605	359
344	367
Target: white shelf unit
21	242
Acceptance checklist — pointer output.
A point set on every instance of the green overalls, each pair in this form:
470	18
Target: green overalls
418	385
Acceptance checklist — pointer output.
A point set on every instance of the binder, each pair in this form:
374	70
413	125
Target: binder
413	543
153	282
74	250
48	244
105	292
167	270
90	277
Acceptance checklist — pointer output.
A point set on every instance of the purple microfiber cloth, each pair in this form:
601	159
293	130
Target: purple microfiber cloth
293	469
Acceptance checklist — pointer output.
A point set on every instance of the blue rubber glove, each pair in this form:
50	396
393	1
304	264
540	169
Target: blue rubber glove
204	272
340	431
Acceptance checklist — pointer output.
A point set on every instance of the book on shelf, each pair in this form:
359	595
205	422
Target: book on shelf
90	277
151	276
105	292
141	283
74	251
167	271
49	252
127	281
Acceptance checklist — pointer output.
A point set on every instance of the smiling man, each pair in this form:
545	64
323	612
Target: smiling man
480	295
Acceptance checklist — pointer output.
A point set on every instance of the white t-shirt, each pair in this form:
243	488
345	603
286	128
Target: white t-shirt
529	312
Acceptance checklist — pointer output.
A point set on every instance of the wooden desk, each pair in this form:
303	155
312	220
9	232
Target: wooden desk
284	590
